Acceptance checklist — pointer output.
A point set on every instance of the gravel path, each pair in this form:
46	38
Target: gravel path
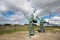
25	36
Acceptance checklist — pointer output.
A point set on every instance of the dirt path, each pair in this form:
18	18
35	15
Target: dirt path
25	36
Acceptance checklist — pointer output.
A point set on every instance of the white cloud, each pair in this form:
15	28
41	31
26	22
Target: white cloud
13	19
40	3
46	6
20	5
3	6
54	20
26	7
16	17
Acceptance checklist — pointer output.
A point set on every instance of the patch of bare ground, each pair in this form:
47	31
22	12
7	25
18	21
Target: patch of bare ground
24	35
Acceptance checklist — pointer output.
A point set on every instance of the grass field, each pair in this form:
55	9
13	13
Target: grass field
9	29
22	33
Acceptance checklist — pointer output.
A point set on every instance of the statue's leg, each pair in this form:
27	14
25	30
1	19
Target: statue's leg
41	28
32	32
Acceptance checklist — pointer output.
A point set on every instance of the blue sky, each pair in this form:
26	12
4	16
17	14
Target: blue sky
50	15
8	13
12	11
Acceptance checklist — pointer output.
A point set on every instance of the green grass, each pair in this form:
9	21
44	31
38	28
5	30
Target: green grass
13	30
7	32
26	28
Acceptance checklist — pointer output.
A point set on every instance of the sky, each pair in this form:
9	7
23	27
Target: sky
13	11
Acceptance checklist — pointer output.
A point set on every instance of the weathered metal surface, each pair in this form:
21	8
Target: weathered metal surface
42	22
